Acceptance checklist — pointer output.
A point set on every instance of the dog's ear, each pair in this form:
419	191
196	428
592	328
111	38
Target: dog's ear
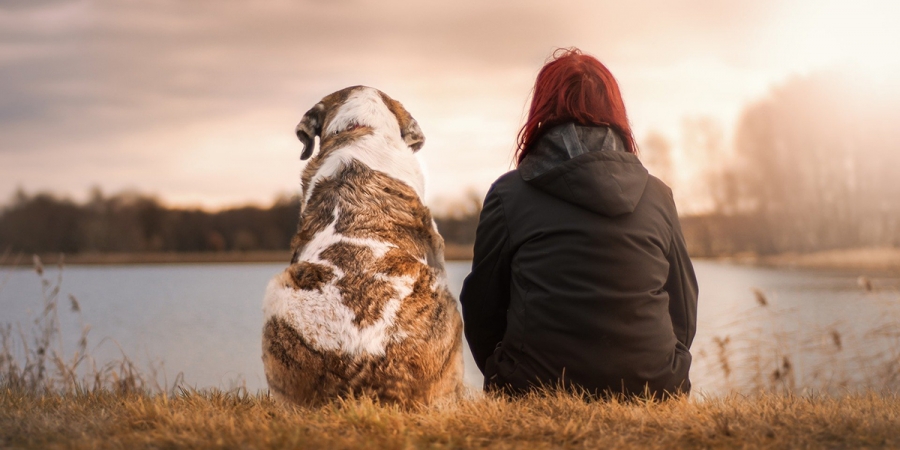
310	127
412	134
409	128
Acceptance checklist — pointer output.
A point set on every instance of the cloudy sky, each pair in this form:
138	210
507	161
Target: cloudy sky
196	101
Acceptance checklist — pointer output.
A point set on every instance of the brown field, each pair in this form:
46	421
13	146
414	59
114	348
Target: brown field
214	419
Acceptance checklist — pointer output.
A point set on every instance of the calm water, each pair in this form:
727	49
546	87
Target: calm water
205	321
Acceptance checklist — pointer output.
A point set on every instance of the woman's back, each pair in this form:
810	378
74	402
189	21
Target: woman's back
580	273
590	242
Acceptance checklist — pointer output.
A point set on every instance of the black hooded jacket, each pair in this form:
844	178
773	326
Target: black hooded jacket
580	273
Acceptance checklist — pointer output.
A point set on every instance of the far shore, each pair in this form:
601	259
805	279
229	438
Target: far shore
877	260
868	260
451	253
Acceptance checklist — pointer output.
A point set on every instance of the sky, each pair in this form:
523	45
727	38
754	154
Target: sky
196	102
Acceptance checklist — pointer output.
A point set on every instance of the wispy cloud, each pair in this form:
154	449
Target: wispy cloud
196	100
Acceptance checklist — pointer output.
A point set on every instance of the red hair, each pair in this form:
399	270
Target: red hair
574	87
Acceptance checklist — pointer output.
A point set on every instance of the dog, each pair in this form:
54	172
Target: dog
364	309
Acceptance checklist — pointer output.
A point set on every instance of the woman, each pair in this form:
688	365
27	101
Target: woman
580	274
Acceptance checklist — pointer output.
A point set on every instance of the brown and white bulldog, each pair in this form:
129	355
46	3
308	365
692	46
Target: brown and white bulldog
364	307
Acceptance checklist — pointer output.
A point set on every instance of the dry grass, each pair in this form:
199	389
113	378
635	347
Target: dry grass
456	252
885	260
33	358
778	349
50	400
213	419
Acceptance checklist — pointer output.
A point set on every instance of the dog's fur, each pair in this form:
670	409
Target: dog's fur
364	307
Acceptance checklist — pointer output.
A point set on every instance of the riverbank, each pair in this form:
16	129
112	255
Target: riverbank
863	260
868	260
213	419
451	253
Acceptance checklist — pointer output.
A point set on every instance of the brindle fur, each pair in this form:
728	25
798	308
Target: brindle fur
424	366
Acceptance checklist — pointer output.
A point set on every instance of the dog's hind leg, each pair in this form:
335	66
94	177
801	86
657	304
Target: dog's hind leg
294	370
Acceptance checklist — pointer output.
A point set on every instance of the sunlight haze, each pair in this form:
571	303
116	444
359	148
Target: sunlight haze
196	102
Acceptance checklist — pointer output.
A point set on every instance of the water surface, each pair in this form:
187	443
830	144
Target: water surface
205	320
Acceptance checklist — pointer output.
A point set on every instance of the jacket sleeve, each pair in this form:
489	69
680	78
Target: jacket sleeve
682	289
485	292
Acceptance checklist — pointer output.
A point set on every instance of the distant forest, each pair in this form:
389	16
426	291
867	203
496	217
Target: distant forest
815	166
130	222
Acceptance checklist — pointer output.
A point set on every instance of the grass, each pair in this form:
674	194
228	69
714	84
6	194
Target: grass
49	399
882	260
214	419
33	358
778	348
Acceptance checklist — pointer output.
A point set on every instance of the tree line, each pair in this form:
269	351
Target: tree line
815	165
134	222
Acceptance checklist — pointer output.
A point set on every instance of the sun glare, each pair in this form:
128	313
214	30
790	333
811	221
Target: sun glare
833	32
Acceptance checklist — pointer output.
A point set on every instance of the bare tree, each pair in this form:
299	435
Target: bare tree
817	163
656	153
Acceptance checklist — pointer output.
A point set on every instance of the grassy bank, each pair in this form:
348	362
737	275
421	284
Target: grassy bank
51	398
212	419
878	260
452	253
869	260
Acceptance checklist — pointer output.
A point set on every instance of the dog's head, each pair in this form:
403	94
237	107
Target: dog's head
354	112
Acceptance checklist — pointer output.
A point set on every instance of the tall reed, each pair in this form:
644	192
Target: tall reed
33	356
769	348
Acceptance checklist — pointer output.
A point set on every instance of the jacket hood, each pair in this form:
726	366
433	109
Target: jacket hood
588	166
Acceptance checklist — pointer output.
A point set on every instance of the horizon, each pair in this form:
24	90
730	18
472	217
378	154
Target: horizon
195	104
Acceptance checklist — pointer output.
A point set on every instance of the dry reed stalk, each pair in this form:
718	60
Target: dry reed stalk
33	359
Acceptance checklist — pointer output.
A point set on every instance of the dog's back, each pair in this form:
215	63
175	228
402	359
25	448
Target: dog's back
364	307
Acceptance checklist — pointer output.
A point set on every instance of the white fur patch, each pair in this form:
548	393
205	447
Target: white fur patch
321	316
440	279
365	106
329	236
383	150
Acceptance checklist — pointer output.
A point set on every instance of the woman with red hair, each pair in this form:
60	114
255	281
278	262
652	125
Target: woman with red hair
580	276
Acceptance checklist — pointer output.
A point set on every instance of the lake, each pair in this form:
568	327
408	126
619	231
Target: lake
757	327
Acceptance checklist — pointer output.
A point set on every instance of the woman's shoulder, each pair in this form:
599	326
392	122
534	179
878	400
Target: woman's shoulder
658	196
658	186
508	178
507	183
